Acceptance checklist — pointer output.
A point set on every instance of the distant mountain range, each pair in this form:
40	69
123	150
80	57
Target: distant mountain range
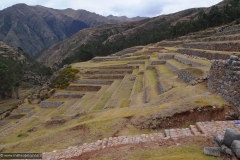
36	28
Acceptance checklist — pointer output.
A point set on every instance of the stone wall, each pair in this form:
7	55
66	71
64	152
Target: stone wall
204	54
137	62
174	69
107	77
16	116
159	85
90	81
185	76
84	88
24	109
165	56
117	67
223	46
45	104
188	62
224	79
109	72
156	62
67	95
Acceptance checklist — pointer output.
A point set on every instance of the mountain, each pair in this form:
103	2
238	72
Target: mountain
108	39
35	28
113	36
125	19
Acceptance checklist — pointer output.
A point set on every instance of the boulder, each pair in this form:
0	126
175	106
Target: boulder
236	147
212	151
229	136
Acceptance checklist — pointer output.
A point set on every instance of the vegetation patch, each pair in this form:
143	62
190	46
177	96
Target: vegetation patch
64	77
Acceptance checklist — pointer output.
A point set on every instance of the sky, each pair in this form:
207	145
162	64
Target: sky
129	8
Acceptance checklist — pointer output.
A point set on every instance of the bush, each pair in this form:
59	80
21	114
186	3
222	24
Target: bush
64	77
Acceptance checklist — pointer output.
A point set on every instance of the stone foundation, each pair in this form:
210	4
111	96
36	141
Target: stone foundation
45	104
224	79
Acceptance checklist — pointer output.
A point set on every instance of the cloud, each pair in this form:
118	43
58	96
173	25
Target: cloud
130	8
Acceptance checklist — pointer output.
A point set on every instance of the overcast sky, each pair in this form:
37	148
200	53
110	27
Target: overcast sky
129	8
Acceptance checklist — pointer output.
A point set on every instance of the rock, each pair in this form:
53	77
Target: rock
229	136
236	147
212	151
232	57
226	150
219	140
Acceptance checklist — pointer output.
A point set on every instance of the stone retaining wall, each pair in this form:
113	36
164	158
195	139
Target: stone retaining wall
24	109
137	62
227	46
117	67
221	38
165	56
16	116
185	76
109	72
84	88
45	104
150	67
174	69
159	85
156	62
224	79
204	54
67	95
188	62
107	77
90	81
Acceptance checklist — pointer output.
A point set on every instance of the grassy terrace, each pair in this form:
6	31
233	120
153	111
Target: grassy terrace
204	62
151	83
100	103
177	64
122	94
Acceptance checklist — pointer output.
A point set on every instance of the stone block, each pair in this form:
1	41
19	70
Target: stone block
219	140
212	151
229	136
236	147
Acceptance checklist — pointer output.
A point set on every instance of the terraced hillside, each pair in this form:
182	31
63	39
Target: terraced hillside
136	91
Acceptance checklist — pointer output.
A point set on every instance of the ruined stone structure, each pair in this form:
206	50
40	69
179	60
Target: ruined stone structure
224	79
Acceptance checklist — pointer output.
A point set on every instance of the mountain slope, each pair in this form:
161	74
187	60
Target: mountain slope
35	28
113	37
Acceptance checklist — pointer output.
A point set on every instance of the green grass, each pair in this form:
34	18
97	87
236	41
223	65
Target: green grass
172	153
151	78
99	105
139	85
125	103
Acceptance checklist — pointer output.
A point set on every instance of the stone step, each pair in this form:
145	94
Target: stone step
194	130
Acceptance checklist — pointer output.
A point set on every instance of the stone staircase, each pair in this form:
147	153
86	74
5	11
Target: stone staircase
205	129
